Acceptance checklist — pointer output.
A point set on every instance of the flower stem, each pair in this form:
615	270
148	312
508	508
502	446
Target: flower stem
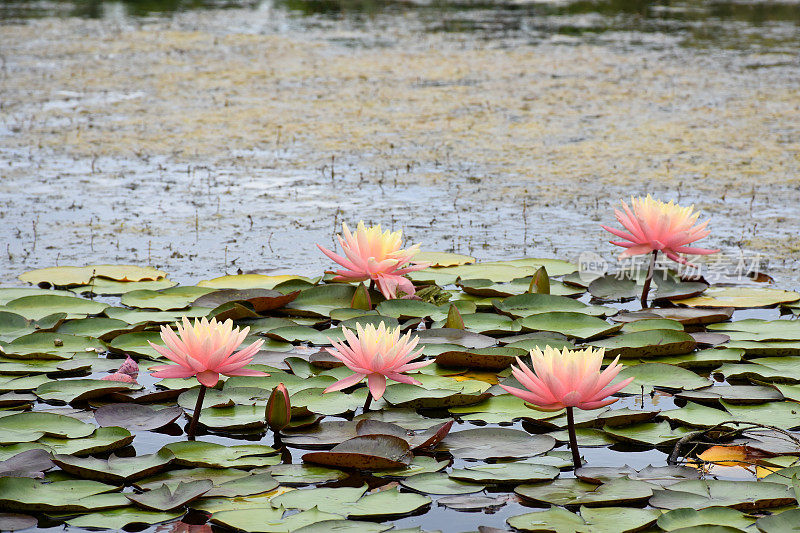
372	284
368	402
649	279
573	439
196	415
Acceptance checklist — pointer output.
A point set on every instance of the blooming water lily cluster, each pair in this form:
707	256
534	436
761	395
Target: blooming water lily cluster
565	379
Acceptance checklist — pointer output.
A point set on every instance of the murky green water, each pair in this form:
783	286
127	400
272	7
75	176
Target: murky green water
723	24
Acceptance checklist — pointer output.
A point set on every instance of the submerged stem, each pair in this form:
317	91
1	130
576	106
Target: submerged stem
196	415
573	439
368	402
649	279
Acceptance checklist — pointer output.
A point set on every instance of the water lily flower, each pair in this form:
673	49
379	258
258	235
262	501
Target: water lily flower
127	372
565	380
377	354
654	226
205	350
374	254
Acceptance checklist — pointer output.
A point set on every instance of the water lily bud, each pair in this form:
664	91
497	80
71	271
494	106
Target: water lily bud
540	283
279	408
361	299
454	318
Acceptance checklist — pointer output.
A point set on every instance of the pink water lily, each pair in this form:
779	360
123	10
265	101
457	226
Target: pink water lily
205	350
565	380
653	225
127	373
568	378
374	254
377	354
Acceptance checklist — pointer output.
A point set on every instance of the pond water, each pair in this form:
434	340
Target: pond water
207	137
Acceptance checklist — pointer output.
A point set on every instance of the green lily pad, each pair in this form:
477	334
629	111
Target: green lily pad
114	470
576	325
716	516
136	316
505	473
101	441
496	443
501	408
250	281
122	518
439	483
650	343
110	287
458	337
270	520
72	496
170	299
50	424
164	499
443	259
648	433
320	300
137	343
529	304
779	523
659	375
135	417
211	455
575	492
740	297
303	474
39	306
366	452
103	328
67	276
590	520
77	391
46	345
741	495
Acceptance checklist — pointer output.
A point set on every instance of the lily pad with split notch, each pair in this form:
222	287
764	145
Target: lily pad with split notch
495	358
495	443
590	519
439	483
304	474
36	307
685	315
114	470
658	375
505	473
571	491
528	304
740	495
71	496
571	324
734	394
136	417
320	300
171	299
650	343
366	452
677	519
740	297
212	455
262	300
164	499
125	517
458	337
80	391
